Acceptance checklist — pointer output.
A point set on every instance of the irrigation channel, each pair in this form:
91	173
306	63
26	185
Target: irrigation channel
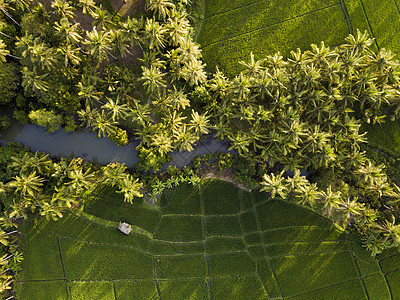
87	145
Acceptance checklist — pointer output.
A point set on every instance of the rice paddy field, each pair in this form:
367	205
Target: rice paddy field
212	241
231	30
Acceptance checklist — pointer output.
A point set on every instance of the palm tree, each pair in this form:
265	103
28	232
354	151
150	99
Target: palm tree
200	123
88	6
88	91
153	79
274	184
70	54
4	7
31	80
88	116
185	138
104	125
178	28
161	7
154	34
193	72
117	110
130	188
29	163
80	179
26	184
162	142
67	31
63	8
98	44
113	173
119	39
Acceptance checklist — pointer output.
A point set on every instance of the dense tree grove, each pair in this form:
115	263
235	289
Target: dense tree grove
126	77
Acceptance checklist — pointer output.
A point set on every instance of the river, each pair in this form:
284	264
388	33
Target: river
87	145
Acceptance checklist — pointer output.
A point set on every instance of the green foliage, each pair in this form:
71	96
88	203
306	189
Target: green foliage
46	118
8	82
301	243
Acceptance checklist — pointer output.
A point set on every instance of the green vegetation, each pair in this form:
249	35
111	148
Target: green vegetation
79	64
332	263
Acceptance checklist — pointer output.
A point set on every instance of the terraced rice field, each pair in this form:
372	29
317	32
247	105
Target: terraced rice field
213	241
233	29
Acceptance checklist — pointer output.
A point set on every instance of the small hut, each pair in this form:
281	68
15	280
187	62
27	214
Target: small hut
125	227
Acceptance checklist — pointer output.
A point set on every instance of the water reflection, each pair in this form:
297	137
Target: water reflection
84	144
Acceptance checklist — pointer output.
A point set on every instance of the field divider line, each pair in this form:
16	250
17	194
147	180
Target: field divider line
267	258
155	277
386	281
61	259
346	16
233	9
40	280
105	244
111	224
369	24
271	25
310	253
389	256
397	6
115	290
204	233
353	256
322	288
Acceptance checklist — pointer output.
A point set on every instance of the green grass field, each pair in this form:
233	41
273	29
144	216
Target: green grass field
231	30
213	241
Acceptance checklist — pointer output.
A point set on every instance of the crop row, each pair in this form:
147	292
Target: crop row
255	16
328	25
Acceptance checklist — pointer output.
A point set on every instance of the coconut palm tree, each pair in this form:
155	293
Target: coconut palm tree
26	184
88	6
63	8
274	185
200	123
119	39
154	34
104	125
117	110
185	138
29	163
88	91
161	7
33	81
178	28
98	44
68	32
4	8
193	72
130	188
70	54
88	116
152	79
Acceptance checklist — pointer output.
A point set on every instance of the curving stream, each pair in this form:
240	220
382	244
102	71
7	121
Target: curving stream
85	144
